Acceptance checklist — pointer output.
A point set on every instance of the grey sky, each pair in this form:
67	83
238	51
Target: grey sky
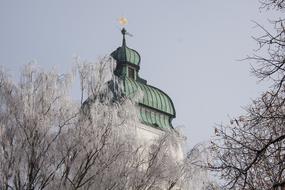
189	48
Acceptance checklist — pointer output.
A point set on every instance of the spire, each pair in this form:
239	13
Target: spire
124	38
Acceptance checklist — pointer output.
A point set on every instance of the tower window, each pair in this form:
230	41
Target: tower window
131	73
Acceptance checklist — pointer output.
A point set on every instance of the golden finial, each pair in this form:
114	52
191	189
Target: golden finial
123	21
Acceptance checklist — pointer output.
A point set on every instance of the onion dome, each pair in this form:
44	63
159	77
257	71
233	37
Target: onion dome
126	55
156	108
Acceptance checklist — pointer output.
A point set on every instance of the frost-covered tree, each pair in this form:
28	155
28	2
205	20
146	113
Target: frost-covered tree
33	115
50	141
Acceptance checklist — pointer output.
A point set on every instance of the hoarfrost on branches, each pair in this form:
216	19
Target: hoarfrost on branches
49	141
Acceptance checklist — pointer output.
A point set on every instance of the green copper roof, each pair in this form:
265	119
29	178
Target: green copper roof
155	119
153	97
156	108
125	54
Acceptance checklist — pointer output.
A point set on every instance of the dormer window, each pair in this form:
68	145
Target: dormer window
131	73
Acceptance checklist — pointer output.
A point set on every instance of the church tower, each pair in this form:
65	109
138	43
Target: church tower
156	108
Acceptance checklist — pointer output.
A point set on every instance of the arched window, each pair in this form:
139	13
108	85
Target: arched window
131	73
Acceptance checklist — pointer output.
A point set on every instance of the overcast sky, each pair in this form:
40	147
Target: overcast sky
189	48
